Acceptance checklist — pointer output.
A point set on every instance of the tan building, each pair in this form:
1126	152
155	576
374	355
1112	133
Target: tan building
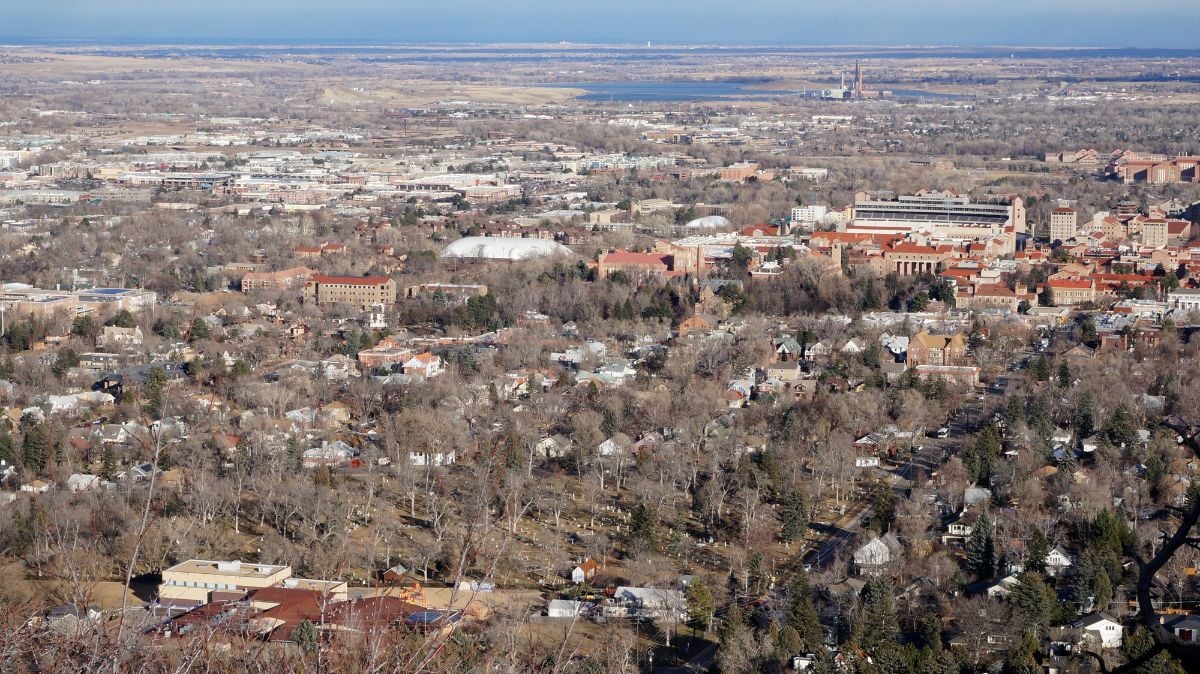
927	349
1000	296
910	259
739	171
1071	291
1154	233
192	583
636	265
276	280
360	291
1064	224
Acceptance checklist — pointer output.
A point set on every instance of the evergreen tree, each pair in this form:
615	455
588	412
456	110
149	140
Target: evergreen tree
1103	590
122	319
701	606
1038	369
64	361
1064	374
6	447
1038	548
36	447
1136	643
757	582
883	511
108	463
1085	416
981	548
877	626
641	530
1033	602
800	616
305	636
793	517
156	380
1023	658
199	330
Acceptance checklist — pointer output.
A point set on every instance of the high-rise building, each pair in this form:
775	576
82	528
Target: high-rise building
1064	224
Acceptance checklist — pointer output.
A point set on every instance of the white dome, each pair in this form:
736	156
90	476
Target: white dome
501	248
709	222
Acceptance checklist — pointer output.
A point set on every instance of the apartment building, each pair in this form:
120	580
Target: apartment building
1064	224
1071	291
276	280
941	350
360	291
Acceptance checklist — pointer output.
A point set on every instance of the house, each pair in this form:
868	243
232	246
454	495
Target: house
961	527
1186	628
395	575
338	367
37	487
565	608
584	572
1108	632
1001	588
854	346
787	349
1058	562
68	619
113	337
646	602
553	446
336	453
784	371
617	444
425	365
432	457
821	349
82	482
876	553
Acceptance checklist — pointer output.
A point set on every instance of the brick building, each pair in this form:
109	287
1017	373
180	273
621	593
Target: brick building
361	291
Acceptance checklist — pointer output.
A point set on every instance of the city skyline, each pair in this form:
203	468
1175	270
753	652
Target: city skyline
926	22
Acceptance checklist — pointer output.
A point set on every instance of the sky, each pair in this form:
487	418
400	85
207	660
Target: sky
1098	23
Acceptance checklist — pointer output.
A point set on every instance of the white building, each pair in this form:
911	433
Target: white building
1107	632
1184	300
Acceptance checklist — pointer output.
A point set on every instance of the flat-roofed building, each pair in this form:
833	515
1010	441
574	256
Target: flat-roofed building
1064	224
276	280
193	582
361	291
1184	300
943	214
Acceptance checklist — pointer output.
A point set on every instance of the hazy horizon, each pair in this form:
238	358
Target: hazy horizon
1017	23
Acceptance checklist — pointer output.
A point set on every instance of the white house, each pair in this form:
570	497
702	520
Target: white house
1108	632
82	482
1058	562
1001	588
432	457
425	365
37	487
877	553
617	444
584	572
647	602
